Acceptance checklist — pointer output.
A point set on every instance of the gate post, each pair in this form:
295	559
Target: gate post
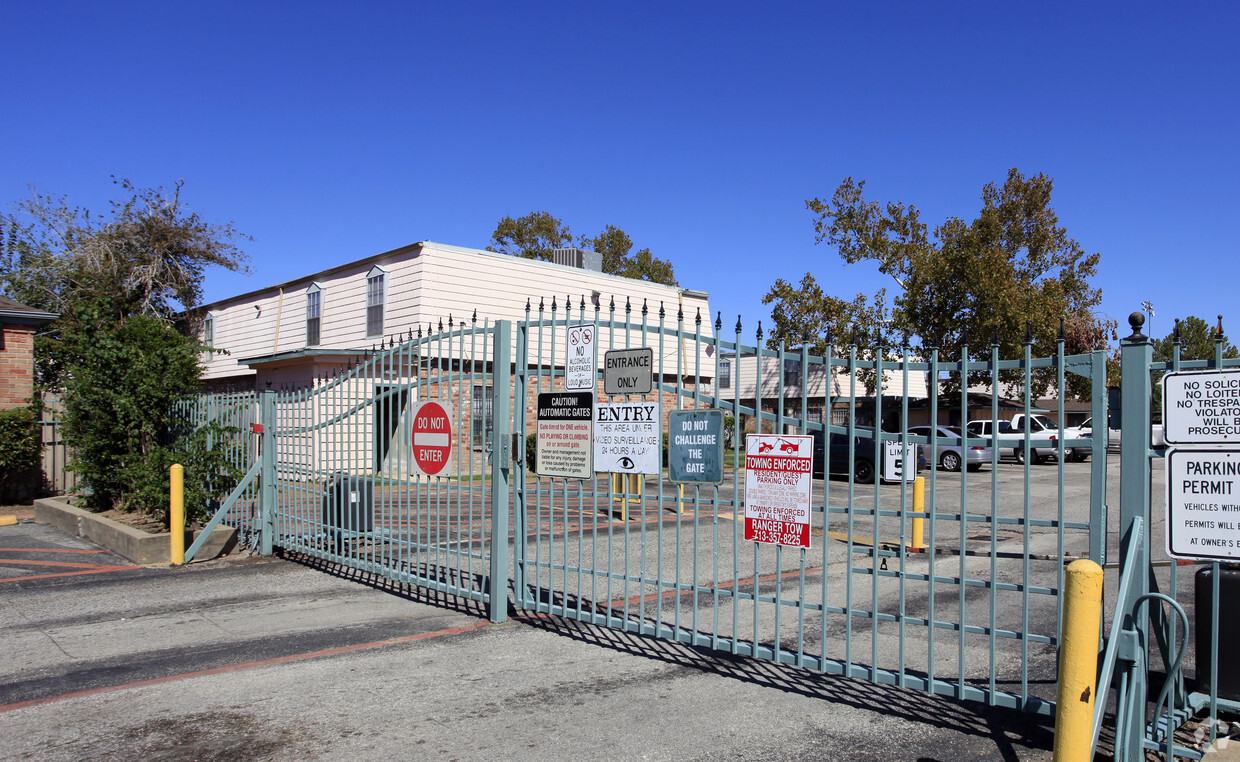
1136	354
501	460
267	476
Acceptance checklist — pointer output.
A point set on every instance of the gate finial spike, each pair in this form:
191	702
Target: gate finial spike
441	325
474	320
662	312
419	330
527	306
1218	335
680	312
1061	335
994	339
1028	332
718	321
410	334
449	319
645	311
738	324
697	320
759	330
540	304
612	306
582	306
1176	333
628	308
852	336
553	302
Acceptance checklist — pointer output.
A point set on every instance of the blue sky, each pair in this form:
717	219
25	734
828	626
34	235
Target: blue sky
332	131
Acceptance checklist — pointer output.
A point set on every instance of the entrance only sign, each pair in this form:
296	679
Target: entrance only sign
432	438
778	488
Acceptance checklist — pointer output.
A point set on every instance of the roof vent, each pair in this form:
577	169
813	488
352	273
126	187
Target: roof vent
582	259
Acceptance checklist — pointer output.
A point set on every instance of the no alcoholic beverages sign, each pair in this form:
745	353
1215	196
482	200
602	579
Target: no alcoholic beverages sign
778	488
432	438
581	365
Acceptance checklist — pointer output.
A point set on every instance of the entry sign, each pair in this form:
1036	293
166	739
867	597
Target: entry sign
432	438
628	371
695	446
581	367
626	437
1201	407
778	488
564	441
1203	504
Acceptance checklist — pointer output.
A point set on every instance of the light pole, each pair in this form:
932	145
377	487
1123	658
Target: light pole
1148	307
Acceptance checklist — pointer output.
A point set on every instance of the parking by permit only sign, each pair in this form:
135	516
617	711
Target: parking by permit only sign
1203	503
778	488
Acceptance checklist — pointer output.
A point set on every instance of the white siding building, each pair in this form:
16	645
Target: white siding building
294	332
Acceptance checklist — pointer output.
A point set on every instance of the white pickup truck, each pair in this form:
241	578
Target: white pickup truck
1043	433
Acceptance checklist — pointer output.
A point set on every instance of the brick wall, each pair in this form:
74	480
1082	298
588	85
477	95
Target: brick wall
16	365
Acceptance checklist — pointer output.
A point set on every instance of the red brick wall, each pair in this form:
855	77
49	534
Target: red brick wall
16	365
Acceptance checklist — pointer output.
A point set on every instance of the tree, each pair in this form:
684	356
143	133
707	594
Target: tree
615	246
805	315
535	235
1197	341
975	283
532	236
121	351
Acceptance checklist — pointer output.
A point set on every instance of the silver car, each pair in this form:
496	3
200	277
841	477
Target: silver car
948	451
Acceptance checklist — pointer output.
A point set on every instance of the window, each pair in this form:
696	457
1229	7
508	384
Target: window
792	372
374	301
208	330
314	313
481	413
725	374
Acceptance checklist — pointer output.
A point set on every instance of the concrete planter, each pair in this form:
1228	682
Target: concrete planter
134	544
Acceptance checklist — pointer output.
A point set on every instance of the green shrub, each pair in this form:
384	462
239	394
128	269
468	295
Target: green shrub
21	474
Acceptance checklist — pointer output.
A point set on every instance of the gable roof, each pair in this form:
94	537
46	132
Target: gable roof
13	311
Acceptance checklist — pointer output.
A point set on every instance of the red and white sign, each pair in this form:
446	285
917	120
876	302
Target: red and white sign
432	438
779	472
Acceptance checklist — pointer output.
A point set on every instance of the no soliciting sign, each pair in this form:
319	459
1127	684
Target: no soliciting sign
778	488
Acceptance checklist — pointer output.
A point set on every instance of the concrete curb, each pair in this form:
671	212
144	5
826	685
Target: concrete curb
134	544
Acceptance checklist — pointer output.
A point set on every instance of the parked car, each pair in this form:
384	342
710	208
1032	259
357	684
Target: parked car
1042	432
950	453
863	455
1078	451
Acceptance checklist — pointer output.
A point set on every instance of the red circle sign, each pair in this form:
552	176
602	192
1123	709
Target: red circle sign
432	438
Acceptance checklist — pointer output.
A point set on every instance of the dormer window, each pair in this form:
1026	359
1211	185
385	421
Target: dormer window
314	314
375	297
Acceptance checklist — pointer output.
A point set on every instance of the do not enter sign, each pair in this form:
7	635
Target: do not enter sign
432	438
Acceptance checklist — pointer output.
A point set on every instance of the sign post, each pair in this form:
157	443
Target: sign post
778	488
695	446
581	365
432	439
626	437
564	440
628	371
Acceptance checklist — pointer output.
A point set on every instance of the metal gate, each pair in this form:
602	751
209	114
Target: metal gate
969	607
972	613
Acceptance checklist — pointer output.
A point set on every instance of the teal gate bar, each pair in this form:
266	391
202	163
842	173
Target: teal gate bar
973	614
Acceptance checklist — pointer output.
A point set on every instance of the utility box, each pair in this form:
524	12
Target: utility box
349	504
1228	626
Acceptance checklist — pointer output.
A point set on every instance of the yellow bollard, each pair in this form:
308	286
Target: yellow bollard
176	512
1078	661
919	506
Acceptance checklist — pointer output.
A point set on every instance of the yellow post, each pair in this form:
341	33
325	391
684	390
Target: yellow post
1078	661
919	506
176	512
